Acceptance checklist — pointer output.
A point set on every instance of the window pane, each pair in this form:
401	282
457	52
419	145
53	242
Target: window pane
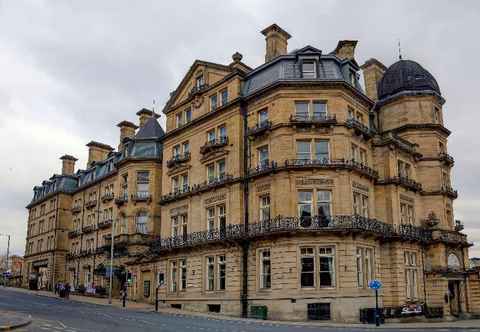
303	150
321	150
301	109
319	109
307	272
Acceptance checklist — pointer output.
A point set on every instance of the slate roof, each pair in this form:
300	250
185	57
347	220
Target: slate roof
151	129
406	75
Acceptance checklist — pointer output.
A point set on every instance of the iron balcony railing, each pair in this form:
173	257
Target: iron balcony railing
214	144
107	197
197	89
312	119
141	196
260	128
178	159
446	158
90	204
88	228
359	127
74	233
76	209
196	188
122	198
288	225
449	191
105	223
403	181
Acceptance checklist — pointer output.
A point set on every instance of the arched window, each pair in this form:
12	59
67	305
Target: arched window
141	222
453	262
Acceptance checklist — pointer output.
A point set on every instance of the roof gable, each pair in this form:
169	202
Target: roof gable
188	82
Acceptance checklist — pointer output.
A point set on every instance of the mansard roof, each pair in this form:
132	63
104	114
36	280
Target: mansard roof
150	130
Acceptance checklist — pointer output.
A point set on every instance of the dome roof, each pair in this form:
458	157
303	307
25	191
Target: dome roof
406	75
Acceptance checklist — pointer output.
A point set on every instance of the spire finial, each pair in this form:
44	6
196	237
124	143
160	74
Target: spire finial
399	50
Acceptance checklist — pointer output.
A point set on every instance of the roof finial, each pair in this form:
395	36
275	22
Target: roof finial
153	106
399	50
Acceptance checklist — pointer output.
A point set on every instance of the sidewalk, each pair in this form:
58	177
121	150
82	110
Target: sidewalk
472	324
10	320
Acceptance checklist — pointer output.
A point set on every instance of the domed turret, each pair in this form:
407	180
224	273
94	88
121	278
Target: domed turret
406	75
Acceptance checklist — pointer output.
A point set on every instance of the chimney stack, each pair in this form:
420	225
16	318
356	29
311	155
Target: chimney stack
127	129
346	49
68	164
373	71
97	152
276	41
144	114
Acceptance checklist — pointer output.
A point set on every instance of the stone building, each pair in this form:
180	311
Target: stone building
287	187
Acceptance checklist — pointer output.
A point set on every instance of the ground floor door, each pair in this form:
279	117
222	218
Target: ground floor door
454	297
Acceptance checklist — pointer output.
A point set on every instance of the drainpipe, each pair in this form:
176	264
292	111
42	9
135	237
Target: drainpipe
424	276
246	242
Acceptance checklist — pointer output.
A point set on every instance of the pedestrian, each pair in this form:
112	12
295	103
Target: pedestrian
56	288
61	290
67	291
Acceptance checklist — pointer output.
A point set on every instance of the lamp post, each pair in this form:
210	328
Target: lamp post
111	264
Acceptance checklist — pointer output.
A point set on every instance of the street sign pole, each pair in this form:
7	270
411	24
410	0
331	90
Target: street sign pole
111	265
377	314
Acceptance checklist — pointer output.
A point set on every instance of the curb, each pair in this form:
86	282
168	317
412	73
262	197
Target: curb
16	326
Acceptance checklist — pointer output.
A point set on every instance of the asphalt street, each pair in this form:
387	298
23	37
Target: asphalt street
58	315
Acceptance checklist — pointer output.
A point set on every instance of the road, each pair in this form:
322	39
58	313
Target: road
57	315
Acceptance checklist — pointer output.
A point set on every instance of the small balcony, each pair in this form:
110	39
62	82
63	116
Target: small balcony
198	89
88	228
359	128
141	196
76	209
107	197
178	160
313	119
74	233
105	223
122	199
214	144
91	204
403	181
260	128
446	158
449	191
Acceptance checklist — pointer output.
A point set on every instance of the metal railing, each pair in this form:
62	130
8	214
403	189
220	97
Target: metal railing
178	159
287	225
214	144
259	128
403	181
313	119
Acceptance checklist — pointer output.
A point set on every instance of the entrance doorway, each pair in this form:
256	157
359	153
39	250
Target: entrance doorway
454	297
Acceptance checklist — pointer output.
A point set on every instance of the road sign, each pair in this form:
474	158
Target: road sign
375	284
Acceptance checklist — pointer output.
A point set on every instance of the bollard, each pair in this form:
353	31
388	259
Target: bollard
156	299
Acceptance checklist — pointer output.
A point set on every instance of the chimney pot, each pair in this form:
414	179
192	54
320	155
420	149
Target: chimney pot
346	49
276	41
127	129
373	71
144	114
97	152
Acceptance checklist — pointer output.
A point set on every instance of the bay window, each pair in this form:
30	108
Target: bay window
411	275
263	156
222	270
264	208
210	273
365	266
173	276
360	204
304	205
183	274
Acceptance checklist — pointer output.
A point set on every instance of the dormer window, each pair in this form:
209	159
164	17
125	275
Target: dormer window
309	69
353	77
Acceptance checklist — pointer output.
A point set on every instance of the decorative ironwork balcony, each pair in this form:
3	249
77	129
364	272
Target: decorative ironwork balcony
141	196
288	225
76	209
359	128
105	223
214	144
448	190
313	119
88	228
332	164
74	233
260	128
122	199
122	241
450	237
197	188
91	204
446	158
402	181
459	225
178	160
198	89
107	197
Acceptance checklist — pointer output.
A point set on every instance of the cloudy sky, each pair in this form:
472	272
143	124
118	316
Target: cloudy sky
70	71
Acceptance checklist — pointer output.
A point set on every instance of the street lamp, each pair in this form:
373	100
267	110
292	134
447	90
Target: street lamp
111	264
